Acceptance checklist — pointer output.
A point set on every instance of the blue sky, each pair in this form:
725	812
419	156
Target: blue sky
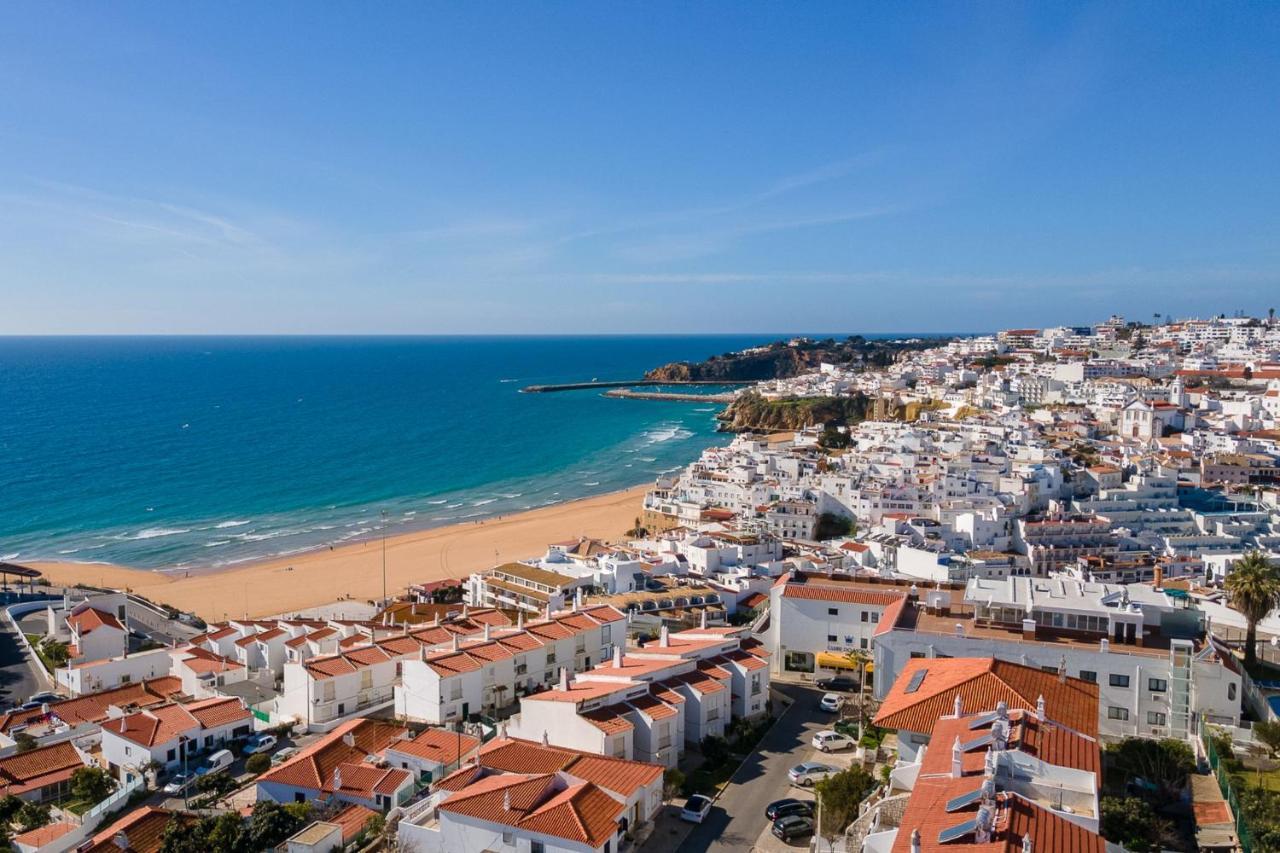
639	167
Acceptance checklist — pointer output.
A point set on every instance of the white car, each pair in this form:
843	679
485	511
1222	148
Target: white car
284	755
260	743
831	702
179	783
696	809
829	741
806	774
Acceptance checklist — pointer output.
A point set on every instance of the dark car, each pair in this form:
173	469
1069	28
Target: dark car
840	682
791	827
788	807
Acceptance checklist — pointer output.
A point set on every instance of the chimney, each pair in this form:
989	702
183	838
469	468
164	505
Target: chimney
456	642
1002	710
121	840
1029	630
545	740
337	778
703	622
564	678
435	621
617	656
1027	846
664	637
520	620
1040	708
957	759
915	841
506	800
1062	670
1106	645
959	629
577	599
548	610
486	632
915	592
465	610
1157	582
989	763
958	705
982	835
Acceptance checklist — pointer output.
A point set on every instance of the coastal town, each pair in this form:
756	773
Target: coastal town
1013	591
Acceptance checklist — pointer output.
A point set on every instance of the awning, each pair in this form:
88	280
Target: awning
831	660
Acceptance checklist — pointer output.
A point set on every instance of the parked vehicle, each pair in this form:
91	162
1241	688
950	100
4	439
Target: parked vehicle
840	682
794	826
809	772
178	783
220	760
788	807
47	696
696	809
831	702
260	743
284	755
829	741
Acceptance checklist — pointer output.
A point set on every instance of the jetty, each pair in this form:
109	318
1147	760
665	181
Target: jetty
633	383
628	394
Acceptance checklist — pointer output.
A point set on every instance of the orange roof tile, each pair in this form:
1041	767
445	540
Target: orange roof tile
437	745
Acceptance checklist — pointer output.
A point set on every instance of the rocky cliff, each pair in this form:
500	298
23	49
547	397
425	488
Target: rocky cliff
751	412
783	359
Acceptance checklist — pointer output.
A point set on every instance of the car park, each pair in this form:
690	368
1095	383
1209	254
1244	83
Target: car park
841	683
829	741
178	783
788	807
793	826
806	774
260	743
831	702
696	809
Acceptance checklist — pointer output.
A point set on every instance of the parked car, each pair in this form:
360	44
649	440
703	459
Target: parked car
793	826
788	807
220	760
831	702
840	682
806	774
178	783
284	755
260	743
829	741
47	696
696	809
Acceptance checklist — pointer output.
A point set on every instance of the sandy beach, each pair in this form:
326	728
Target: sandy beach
355	570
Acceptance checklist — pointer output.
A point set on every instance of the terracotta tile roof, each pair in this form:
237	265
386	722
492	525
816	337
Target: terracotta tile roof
620	775
363	781
200	661
313	767
1014	818
141	827
581	813
580	691
36	768
41	836
652	707
1048	741
713	669
981	683
222	633
351	821
844	595
754	600
752	646
609	720
90	618
889	618
452	663
699	682
747	661
437	745
218	711
92	707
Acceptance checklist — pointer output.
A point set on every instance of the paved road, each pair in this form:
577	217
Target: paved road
18	681
738	818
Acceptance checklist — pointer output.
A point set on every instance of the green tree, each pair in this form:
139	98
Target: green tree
25	742
1268	732
1132	823
831	525
832	438
9	807
1164	764
839	796
1254	587
91	784
259	762
271	823
32	816
672	782
57	653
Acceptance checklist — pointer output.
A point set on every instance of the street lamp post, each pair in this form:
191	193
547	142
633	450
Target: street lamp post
384	558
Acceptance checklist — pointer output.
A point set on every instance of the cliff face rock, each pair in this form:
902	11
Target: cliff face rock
784	359
751	412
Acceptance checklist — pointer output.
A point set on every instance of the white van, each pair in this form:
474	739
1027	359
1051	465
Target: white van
220	760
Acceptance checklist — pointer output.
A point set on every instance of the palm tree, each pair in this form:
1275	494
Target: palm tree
1254	587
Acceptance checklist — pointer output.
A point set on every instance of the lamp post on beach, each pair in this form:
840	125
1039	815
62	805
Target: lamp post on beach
384	558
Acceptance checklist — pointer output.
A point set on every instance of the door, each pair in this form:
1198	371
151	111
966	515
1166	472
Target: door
466	710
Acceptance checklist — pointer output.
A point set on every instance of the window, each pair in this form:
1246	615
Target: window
1231	692
875	617
172	755
1157	685
328	691
1155	718
1088	675
866	617
831	638
917	654
1114	713
507	838
1118	680
863	642
537	847
366	678
833	611
551	658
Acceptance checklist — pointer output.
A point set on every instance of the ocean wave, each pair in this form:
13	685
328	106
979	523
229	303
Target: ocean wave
703	410
223	525
454	506
648	459
504	381
471	514
483	502
217	543
70	551
592	483
437	503
152	533
512	495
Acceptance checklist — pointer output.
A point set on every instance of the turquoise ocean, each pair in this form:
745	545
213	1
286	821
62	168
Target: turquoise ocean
208	451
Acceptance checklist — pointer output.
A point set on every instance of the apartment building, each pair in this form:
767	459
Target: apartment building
815	619
167	735
348	765
519	586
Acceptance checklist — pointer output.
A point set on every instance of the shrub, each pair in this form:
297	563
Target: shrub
259	762
91	784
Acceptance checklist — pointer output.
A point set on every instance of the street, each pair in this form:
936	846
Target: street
18	681
737	819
